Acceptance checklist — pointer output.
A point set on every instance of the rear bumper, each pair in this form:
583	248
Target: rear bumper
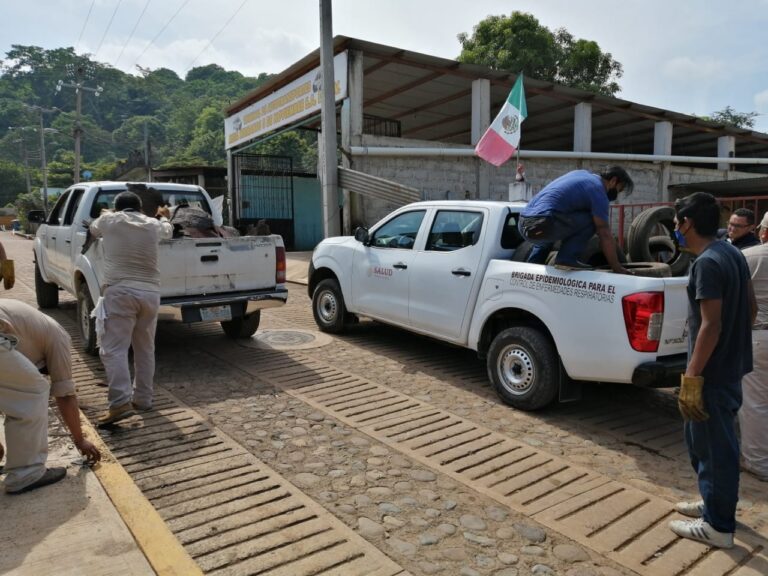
662	373
241	303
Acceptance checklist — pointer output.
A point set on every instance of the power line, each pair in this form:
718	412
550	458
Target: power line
213	39
130	36
88	16
179	9
109	25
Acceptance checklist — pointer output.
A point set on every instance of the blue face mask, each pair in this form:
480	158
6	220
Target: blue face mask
680	238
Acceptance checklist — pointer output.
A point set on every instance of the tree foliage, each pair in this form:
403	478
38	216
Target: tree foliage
519	43
184	118
733	118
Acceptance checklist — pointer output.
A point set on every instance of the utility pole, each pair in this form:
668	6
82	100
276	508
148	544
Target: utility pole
23	153
79	73
43	165
329	170
147	152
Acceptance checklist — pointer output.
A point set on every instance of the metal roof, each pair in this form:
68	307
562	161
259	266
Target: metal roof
740	187
431	98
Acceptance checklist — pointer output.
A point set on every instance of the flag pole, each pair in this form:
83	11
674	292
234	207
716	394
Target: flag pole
519	107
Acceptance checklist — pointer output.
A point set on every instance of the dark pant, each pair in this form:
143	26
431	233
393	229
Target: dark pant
714	451
573	230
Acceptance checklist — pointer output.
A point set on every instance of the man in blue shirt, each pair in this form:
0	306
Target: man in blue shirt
721	311
572	209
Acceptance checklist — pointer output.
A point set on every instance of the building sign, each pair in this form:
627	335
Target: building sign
298	100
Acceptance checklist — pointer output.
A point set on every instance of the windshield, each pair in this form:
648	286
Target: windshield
105	200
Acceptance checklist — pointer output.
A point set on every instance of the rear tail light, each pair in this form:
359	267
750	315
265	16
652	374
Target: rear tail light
643	316
280	269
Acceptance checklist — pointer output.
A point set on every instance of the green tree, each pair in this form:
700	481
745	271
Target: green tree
519	43
12	181
733	118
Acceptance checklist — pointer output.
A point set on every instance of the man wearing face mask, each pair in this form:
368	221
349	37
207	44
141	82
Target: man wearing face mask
721	311
572	209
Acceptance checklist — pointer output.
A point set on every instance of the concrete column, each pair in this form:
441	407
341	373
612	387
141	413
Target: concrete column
662	144
481	119
582	127
327	143
726	148
201	180
233	208
352	130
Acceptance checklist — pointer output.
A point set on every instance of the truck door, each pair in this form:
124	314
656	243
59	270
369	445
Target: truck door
67	240
50	236
381	271
445	272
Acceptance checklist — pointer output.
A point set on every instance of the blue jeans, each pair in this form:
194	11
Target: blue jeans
714	451
573	230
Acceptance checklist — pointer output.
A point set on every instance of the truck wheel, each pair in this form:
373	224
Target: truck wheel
86	324
593	253
47	293
645	232
524	368
328	306
243	327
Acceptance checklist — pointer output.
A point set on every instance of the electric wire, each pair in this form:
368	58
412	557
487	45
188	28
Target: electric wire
215	36
179	9
130	36
109	25
87	17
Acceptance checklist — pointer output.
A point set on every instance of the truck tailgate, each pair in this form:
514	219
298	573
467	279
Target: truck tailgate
674	332
194	266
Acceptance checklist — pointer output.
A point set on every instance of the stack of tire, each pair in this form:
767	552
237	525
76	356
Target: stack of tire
651	238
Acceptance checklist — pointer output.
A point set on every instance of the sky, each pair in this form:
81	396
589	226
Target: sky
689	56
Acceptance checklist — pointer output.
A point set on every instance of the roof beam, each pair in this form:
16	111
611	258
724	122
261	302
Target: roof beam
401	89
444	120
434	103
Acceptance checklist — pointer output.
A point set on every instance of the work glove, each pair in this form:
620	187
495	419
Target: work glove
690	401
7	273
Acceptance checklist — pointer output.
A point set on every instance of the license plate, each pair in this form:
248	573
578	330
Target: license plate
217	313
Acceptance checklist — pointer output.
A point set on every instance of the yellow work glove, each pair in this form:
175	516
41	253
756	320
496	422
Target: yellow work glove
690	401
7	273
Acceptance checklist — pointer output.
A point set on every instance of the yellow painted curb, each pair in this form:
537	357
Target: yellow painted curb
162	549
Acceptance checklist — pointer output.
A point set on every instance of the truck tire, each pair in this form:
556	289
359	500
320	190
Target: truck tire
522	251
645	269
85	323
328	307
47	293
242	327
524	367
645	232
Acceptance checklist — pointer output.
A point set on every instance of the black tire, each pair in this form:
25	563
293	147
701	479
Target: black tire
647	227
328	307
524	368
47	293
522	252
593	253
242	327
85	323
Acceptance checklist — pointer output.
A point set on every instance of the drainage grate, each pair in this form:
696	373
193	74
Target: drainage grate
614	519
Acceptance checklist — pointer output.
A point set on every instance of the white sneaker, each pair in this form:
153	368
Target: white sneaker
701	531
692	509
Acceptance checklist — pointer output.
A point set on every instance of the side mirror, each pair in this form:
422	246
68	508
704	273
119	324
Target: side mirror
361	235
35	216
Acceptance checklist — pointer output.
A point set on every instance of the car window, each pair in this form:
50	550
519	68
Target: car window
400	232
105	200
56	216
510	235
77	195
454	229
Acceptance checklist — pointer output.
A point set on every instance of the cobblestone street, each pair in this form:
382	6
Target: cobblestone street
400	440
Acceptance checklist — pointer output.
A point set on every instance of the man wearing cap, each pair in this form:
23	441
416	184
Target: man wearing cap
30	341
130	302
753	416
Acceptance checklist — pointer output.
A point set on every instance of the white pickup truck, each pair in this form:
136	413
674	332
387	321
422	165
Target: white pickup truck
448	270
229	280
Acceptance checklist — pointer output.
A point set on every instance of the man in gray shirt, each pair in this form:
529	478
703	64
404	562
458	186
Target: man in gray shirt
131	298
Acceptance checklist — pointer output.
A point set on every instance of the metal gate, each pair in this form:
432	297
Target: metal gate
263	188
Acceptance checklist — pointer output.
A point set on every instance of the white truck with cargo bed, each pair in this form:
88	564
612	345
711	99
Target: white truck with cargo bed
202	279
448	270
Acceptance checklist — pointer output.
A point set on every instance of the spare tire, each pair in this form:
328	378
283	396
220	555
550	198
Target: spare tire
650	228
522	252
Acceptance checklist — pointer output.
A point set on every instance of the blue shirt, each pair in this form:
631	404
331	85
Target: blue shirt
721	273
576	191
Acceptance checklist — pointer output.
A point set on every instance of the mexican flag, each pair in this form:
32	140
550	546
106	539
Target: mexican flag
502	138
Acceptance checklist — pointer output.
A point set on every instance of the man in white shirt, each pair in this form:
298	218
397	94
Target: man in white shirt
131	298
753	416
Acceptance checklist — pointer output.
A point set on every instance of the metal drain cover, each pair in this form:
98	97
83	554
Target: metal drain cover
289	339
